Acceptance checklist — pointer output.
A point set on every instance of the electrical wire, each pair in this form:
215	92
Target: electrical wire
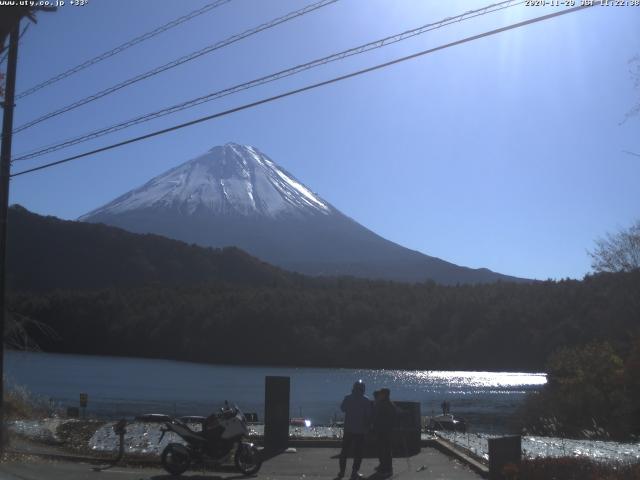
179	61
121	48
389	40
305	88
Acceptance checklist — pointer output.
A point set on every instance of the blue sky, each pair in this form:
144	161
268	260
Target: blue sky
506	153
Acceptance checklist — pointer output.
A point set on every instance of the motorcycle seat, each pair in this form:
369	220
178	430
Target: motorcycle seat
184	431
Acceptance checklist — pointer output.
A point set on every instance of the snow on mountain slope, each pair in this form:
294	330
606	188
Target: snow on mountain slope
234	195
229	180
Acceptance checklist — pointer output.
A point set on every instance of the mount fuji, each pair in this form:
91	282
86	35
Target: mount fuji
235	195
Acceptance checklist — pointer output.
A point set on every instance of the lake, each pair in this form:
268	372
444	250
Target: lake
122	386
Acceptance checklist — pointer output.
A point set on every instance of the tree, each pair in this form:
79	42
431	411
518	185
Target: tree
634	71
619	252
588	394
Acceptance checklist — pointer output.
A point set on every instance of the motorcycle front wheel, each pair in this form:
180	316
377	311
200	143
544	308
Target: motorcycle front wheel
248	459
176	458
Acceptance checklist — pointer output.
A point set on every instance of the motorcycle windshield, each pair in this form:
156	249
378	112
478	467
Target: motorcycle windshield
239	413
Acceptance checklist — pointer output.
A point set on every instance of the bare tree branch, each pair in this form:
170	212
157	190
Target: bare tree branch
634	71
16	332
619	252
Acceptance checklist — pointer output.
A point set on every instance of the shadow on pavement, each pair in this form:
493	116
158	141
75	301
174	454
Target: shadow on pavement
269	454
199	476
213	475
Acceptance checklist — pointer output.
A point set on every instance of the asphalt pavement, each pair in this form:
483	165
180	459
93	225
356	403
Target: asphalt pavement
306	463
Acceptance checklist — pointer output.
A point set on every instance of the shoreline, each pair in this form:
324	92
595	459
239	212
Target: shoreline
288	366
97	439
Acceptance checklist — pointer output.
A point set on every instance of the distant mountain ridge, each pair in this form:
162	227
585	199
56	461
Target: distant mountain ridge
46	253
235	195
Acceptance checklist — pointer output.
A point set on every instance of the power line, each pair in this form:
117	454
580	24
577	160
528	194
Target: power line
123	47
303	89
179	61
631	153
268	78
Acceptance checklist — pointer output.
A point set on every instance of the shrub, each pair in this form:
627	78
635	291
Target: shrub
591	393
20	404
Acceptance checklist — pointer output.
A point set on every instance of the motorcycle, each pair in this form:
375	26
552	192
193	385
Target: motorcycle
221	434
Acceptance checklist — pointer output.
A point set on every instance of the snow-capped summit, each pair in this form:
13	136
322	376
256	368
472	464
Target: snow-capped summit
234	195
227	180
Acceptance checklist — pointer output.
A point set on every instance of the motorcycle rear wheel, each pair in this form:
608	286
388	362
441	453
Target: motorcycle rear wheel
248	459
176	458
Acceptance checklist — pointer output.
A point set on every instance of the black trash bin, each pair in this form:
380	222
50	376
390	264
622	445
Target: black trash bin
502	452
407	434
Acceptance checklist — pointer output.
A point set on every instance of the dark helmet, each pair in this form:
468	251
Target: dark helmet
359	387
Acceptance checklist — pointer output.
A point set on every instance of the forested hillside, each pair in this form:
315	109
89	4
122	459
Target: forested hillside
102	290
344	322
46	253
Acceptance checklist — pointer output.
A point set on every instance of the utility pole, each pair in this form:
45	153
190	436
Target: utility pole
5	171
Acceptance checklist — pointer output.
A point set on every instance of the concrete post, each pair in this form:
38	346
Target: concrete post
276	413
503	451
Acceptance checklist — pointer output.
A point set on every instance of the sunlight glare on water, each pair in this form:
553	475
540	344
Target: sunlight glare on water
477	379
462	382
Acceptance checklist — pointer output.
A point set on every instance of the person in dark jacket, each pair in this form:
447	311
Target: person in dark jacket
384	419
357	410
